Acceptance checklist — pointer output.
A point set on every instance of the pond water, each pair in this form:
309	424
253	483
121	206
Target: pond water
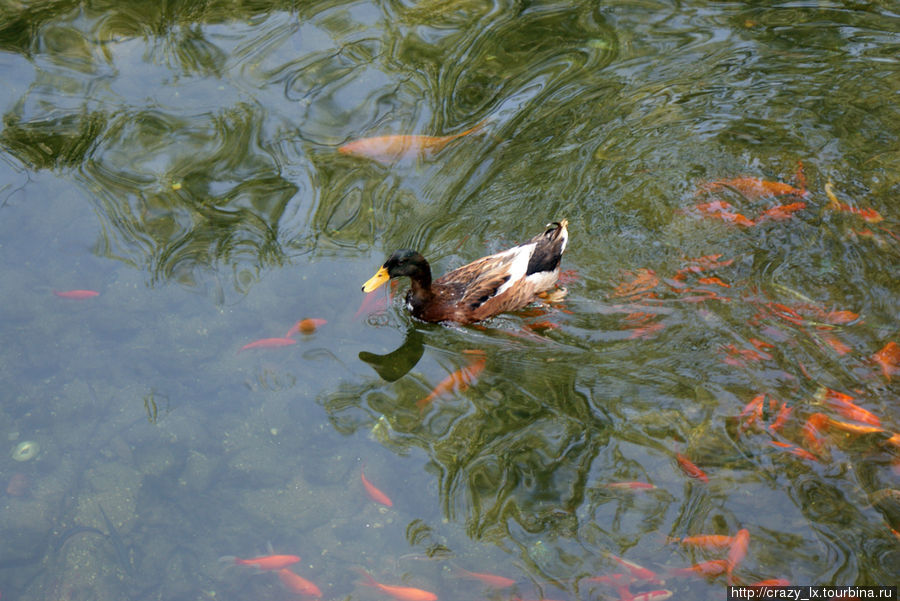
724	360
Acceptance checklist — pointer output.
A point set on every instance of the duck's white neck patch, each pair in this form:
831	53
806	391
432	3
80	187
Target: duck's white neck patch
519	266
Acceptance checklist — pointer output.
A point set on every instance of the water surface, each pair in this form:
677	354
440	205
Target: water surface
181	160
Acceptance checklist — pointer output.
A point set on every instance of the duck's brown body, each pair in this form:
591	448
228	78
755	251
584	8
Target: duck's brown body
505	281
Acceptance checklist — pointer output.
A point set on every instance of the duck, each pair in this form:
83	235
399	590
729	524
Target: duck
498	283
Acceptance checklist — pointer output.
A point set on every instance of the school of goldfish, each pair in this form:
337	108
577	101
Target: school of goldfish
801	429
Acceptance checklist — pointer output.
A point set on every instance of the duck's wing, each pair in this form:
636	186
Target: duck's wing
472	285
504	281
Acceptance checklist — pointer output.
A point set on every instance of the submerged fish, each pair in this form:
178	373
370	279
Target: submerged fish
268	343
459	380
690	468
266	562
389	149
373	492
400	593
76	294
305	326
753	187
298	584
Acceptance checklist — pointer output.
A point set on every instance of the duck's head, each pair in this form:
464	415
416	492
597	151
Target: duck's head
402	262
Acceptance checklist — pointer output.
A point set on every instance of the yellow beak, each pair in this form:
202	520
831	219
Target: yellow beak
376	280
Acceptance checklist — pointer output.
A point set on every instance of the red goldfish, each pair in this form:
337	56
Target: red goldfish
267	562
772	582
713	280
803	453
400	593
388	149
659	595
375	301
298	584
76	294
780	212
700	264
268	343
690	468
616	580
835	343
375	494
641	282
491	580
840	317
305	326
781	418
459	380
888	358
868	215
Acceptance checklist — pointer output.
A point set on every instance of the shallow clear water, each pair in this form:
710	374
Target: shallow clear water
182	160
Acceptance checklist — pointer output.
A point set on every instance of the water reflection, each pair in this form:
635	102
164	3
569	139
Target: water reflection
195	145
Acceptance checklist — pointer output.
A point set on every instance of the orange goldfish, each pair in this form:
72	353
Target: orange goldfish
266	562
888	358
690	468
389	149
305	326
812	429
705	568
772	582
706	541
491	580
843	404
459	380
298	584
854	428
400	593
375	494
738	550
753	187
268	343
700	264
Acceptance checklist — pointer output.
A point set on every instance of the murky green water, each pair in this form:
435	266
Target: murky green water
181	160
